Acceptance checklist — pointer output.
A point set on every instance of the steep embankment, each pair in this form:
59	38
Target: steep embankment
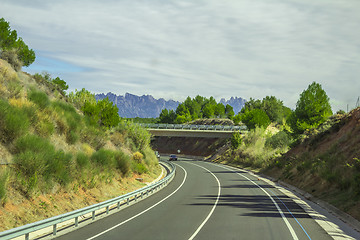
327	163
54	159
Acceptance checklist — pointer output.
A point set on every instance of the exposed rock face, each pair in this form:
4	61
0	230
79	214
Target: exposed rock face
146	106
236	103
131	106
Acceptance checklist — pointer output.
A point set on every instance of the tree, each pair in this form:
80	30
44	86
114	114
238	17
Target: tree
60	83
219	110
167	116
255	117
312	109
9	42
229	111
236	140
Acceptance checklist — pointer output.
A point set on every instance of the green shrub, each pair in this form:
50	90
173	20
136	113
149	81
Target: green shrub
39	162
13	122
82	160
279	140
71	137
123	162
236	140
139	168
45	128
103	158
59	168
39	98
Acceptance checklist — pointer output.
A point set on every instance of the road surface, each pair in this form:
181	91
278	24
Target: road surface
208	201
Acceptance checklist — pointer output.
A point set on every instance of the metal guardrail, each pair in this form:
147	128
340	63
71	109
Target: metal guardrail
193	127
54	221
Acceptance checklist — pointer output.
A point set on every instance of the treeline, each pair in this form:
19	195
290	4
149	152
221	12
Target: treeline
13	49
198	107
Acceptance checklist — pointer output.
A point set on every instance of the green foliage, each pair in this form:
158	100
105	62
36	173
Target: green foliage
37	160
14	122
39	98
103	112
104	158
279	140
108	113
312	109
11	44
272	106
198	107
82	160
60	83
236	140
255	118
139	168
229	111
123	162
138	135
167	116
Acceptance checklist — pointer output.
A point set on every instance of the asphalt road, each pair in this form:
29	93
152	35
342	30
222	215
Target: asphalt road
208	201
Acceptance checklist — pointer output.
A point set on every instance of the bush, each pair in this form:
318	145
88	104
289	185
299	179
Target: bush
103	158
13	122
236	140
82	160
138	157
139	168
39	98
279	140
39	162
11	56
123	162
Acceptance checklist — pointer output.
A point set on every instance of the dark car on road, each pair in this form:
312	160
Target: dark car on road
172	157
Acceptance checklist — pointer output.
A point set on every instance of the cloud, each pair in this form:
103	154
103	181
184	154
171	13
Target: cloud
175	49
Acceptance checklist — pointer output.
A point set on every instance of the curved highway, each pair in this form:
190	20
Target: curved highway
208	201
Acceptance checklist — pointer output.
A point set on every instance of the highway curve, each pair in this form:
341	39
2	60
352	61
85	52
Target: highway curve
208	201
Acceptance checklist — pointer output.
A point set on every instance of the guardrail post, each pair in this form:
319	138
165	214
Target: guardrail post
107	210
27	236
54	229
76	221
93	215
127	201
118	205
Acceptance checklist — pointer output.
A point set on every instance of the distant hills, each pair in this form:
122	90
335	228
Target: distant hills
146	106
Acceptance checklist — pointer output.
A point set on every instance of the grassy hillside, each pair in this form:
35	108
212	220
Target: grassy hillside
324	162
51	154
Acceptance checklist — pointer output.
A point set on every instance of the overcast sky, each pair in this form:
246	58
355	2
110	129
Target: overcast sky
174	49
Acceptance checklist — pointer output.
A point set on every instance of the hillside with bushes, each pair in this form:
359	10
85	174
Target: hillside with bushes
309	147
62	151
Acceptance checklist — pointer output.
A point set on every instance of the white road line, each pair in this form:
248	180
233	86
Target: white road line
293	234
213	208
135	216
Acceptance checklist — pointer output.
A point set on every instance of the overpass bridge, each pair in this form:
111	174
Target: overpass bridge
184	130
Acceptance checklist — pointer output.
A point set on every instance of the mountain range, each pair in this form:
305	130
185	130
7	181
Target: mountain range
146	106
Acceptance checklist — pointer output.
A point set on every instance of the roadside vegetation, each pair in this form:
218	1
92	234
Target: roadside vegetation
309	147
54	143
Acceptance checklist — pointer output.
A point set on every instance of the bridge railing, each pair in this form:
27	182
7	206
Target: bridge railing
193	127
106	206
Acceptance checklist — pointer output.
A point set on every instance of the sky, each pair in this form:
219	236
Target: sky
174	49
